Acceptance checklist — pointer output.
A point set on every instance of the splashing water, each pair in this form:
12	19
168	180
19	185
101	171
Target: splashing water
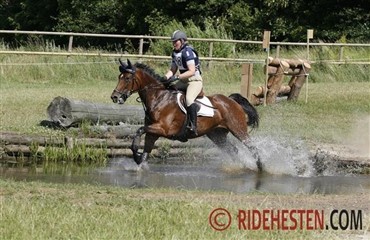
278	156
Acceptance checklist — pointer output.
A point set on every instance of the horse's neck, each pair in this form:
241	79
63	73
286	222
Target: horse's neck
151	97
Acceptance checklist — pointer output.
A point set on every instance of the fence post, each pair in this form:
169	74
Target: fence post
70	43
246	81
309	36
341	53
277	51
141	46
210	54
266	46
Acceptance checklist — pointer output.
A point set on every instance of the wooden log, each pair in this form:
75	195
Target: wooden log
109	131
284	91
293	63
272	71
20	151
297	84
16	138
11	140
274	85
67	112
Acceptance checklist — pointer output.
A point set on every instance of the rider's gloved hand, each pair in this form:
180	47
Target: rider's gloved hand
171	81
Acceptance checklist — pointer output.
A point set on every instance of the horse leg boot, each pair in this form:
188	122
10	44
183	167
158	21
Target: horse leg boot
135	145
192	112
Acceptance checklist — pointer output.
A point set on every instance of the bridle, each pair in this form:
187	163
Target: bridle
124	95
124	68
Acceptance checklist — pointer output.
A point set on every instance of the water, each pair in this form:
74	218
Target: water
288	169
122	172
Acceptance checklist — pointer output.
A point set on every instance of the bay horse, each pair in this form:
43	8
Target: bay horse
164	118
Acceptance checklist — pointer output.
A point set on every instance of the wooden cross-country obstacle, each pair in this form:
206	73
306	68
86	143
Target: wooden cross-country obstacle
277	69
67	112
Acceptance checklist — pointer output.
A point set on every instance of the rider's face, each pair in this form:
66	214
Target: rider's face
177	44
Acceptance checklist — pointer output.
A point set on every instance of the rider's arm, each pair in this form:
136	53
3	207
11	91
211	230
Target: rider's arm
190	72
172	70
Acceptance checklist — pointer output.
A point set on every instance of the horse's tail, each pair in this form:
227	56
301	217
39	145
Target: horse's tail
253	117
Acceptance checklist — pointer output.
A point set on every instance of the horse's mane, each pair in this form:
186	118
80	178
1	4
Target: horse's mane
150	71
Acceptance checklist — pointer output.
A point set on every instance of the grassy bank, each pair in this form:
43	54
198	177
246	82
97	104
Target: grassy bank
69	211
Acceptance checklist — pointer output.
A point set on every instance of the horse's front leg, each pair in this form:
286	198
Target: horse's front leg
135	145
148	147
152	132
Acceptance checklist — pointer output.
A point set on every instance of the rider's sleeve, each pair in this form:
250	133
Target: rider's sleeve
189	54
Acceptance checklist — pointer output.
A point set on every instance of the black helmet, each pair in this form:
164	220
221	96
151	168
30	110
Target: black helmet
176	35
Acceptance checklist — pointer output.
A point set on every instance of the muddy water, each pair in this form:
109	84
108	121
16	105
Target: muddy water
205	176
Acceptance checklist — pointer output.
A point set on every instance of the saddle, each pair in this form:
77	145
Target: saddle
206	107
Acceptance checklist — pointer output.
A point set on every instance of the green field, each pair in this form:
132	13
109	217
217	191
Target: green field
33	210
338	96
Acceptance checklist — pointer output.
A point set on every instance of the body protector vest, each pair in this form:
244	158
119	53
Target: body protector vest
180	59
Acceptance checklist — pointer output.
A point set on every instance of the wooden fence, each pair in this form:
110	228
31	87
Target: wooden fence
141	55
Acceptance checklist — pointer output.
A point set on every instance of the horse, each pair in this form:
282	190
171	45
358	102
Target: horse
164	118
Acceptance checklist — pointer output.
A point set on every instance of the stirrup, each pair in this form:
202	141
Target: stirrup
192	129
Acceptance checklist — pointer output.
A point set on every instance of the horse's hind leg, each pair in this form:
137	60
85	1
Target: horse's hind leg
241	133
219	137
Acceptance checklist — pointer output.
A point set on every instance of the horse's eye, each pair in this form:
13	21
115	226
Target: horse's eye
127	79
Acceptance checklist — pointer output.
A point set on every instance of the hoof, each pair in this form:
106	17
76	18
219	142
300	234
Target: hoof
138	158
144	166
259	166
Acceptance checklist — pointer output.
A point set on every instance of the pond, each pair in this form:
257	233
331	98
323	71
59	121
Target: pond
208	175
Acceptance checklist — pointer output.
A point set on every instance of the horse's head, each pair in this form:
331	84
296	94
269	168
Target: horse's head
127	82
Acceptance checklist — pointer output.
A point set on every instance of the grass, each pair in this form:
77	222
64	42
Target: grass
333	105
71	211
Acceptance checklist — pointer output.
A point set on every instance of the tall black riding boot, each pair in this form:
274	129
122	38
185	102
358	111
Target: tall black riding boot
192	112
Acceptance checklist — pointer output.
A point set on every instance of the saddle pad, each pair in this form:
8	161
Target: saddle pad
206	107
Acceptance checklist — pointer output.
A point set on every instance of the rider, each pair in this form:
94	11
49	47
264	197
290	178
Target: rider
186	60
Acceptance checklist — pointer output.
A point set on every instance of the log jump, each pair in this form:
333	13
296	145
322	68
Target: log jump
277	69
67	112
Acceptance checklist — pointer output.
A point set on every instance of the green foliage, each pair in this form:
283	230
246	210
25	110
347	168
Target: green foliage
80	155
164	47
245	20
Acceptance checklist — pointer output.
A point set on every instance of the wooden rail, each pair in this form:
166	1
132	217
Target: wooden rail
141	54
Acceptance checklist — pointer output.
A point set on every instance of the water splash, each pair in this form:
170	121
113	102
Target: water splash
278	155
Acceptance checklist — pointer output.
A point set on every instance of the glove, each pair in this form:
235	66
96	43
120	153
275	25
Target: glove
171	81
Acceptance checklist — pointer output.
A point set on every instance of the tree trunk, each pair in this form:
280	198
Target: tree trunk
68	112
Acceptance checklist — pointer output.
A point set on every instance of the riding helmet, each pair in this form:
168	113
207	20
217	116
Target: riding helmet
176	35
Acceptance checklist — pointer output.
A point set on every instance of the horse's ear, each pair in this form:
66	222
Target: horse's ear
122	66
120	62
129	63
130	67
